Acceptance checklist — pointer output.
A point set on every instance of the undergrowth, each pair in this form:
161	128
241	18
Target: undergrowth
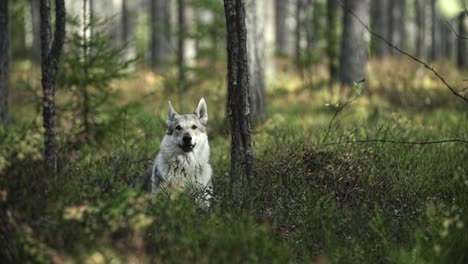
310	200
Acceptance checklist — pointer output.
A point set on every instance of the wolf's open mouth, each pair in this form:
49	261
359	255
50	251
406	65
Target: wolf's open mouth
187	148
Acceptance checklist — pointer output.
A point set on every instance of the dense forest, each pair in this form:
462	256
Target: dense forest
337	130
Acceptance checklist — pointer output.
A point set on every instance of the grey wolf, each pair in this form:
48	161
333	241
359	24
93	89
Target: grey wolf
183	160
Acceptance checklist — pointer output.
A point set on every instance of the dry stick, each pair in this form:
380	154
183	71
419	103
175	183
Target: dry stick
402	142
404	52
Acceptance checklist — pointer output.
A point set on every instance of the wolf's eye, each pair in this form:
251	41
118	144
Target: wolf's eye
178	127
194	127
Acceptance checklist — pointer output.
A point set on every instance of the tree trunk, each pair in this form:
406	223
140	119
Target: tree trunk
380	20
51	49
401	24
298	31
354	42
182	28
36	31
420	17
4	61
332	39
448	40
397	28
435	33
284	29
125	21
462	47
128	27
159	15
255	25
238	110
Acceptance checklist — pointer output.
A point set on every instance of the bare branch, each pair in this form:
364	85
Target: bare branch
442	141
455	32
404	53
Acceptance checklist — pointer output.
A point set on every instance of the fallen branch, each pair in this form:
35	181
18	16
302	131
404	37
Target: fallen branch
400	142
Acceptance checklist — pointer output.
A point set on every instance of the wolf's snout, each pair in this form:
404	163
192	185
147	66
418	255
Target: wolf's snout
187	139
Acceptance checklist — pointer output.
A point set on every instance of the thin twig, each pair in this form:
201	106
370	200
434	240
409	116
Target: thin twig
455	32
404	52
401	142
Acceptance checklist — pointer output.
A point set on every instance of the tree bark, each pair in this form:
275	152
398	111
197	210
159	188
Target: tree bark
238	110
255	24
51	49
332	39
354	42
462	45
4	61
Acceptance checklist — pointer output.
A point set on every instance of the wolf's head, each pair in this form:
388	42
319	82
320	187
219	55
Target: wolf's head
187	130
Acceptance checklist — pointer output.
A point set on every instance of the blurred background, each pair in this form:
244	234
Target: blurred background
318	79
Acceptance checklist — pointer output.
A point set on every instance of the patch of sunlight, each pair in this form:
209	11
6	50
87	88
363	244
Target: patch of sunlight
427	82
449	8
284	81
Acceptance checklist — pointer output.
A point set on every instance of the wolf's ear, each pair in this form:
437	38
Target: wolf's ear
171	113
202	111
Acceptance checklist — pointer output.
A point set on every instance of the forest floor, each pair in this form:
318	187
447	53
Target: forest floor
314	197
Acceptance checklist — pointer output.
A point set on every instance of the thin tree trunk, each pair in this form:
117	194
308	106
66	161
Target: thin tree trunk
255	25
397	29
36	31
51	49
4	61
182	28
401	22
298	31
332	39
282	25
381	20
155	32
84	89
159	46
354	42
420	27
238	96
435	33
125	23
448	40
462	45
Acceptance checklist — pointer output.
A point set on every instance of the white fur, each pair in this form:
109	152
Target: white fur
177	170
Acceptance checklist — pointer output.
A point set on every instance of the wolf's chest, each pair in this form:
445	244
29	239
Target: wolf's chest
184	170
